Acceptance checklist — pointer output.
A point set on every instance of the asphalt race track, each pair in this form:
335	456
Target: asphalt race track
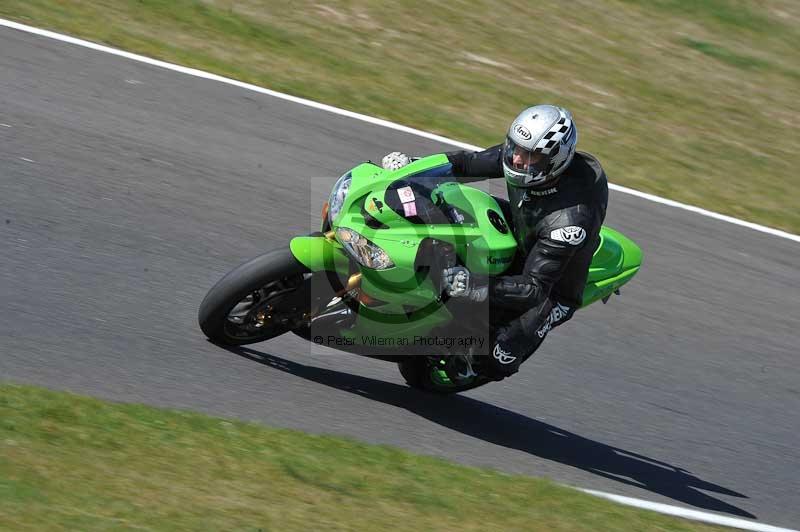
127	190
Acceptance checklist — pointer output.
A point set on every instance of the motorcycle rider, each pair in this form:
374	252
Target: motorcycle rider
557	200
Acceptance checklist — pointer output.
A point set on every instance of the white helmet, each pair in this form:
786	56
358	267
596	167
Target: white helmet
539	146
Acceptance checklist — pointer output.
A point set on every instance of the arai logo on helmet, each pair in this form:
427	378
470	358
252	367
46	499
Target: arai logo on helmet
522	131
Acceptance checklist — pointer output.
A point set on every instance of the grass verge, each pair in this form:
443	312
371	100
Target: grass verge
695	100
72	463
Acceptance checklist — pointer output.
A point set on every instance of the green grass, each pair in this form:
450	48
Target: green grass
726	56
73	463
696	100
735	15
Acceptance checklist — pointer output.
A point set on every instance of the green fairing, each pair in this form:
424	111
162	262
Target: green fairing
615	262
317	253
413	306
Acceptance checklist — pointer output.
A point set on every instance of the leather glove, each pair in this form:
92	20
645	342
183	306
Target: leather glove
395	160
458	282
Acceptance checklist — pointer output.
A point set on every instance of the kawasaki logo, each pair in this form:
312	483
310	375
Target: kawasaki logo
498	260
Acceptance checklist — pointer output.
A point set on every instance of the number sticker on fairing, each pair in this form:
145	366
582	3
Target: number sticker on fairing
405	194
410	208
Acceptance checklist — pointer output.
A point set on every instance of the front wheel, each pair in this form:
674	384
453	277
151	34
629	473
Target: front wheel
260	299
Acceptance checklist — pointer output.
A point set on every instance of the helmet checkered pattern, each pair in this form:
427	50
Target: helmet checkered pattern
549	143
559	142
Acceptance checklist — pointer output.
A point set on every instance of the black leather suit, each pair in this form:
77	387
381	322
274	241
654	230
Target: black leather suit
557	229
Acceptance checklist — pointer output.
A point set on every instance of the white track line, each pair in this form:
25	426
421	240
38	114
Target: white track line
662	508
369	119
685	513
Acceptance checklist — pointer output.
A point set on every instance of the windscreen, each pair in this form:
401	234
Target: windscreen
415	198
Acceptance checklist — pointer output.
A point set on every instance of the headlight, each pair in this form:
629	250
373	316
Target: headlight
362	250
338	194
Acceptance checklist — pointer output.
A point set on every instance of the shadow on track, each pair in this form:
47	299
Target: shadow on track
508	429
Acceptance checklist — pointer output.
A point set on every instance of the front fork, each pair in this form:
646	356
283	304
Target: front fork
324	257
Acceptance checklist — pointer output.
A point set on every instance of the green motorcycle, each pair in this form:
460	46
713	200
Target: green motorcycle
370	281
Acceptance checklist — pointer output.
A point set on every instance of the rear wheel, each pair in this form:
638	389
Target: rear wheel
421	373
260	299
